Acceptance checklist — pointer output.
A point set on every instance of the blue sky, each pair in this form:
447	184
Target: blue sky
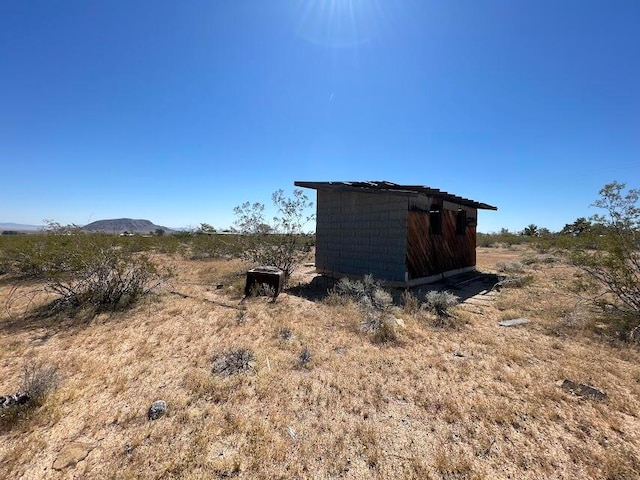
179	111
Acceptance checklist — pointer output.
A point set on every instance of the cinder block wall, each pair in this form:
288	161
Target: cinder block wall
361	233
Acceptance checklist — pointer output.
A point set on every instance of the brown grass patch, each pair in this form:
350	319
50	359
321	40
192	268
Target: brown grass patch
481	401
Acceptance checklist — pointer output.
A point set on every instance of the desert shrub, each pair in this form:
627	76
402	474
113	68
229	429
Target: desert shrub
4	264
410	303
281	243
440	303
305	358
85	270
374	302
38	380
200	247
110	280
358	290
502	238
611	258
203	246
241	360
333	298
515	282
387	332
509	267
285	333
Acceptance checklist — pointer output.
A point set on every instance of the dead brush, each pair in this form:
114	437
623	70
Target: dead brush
38	380
305	358
410	303
286	334
510	267
241	360
514	282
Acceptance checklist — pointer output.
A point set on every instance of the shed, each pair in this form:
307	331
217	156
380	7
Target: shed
404	234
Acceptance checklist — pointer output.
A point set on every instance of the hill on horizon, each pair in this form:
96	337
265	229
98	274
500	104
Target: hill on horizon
20	227
119	225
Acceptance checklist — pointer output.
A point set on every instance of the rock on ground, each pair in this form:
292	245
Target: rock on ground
71	454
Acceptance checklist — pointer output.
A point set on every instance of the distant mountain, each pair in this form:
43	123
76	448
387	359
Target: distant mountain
19	227
119	225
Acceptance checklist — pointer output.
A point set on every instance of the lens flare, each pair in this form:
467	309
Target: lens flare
337	23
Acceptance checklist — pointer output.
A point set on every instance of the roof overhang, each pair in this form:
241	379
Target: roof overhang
396	189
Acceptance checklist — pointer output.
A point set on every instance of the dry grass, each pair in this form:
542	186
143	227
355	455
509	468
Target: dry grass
479	402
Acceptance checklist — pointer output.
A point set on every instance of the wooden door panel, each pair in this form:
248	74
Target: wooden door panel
420	259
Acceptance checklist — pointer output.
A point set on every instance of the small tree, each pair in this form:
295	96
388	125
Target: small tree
277	243
577	228
206	228
531	230
615	261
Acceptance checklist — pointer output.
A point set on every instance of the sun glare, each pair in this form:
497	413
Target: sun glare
337	23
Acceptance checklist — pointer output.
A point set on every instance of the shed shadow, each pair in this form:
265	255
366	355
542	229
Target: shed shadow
316	290
464	286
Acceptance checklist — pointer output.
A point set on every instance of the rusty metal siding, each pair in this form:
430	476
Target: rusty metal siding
432	254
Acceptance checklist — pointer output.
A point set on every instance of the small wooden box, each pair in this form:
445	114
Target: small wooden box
259	276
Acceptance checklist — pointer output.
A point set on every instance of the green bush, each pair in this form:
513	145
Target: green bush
281	243
611	257
504	238
84	270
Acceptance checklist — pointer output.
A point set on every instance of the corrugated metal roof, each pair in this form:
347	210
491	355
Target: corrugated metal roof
384	186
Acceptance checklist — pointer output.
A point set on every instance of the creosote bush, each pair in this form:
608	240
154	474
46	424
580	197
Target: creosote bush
111	280
610	255
84	270
281	243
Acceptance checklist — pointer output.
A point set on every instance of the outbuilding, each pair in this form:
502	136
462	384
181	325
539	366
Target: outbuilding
404	234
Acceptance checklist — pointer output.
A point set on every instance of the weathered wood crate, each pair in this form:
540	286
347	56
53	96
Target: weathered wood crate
259	277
